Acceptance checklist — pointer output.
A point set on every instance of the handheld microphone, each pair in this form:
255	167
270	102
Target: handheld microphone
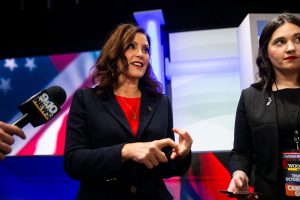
41	107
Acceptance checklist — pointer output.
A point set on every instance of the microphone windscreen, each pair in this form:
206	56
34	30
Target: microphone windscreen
41	107
58	94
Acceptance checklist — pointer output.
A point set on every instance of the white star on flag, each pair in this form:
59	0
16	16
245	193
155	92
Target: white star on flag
11	64
5	85
30	64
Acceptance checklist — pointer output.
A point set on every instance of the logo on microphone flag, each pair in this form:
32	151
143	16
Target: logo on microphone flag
21	78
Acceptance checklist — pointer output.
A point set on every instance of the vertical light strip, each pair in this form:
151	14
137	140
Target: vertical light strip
153	31
151	21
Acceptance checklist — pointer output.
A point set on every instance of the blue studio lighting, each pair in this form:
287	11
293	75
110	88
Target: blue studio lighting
151	21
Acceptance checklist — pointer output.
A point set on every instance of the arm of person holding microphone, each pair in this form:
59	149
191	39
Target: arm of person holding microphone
7	132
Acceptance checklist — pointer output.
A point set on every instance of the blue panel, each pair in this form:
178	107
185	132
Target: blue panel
260	26
35	178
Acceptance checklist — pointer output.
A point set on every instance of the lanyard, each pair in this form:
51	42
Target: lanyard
294	126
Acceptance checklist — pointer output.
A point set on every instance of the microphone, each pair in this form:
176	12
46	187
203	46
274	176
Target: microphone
41	107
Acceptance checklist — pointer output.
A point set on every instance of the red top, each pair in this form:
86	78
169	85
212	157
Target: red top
131	109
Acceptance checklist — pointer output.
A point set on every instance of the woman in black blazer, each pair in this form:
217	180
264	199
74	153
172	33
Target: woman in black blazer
120	136
267	117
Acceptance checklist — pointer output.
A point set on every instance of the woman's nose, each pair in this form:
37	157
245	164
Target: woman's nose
290	47
139	52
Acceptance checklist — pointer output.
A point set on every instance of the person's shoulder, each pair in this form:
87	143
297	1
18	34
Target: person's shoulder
154	96
248	89
251	89
253	92
83	91
164	98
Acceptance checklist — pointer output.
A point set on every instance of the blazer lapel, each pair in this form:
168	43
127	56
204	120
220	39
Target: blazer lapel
148	108
110	102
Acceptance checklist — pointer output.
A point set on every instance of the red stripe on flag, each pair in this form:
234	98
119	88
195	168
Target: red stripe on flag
60	143
60	62
30	146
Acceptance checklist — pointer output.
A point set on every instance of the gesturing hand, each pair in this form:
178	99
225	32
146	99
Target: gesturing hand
184	146
148	153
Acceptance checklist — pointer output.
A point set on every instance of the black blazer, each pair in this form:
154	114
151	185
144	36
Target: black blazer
256	140
97	129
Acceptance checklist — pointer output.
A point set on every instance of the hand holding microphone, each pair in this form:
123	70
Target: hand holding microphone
37	110
6	137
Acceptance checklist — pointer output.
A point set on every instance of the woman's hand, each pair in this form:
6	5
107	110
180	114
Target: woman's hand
148	153
184	145
239	182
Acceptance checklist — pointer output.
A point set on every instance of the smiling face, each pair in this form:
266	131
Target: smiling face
137	55
284	49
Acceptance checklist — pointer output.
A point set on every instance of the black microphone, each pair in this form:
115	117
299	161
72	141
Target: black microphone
41	107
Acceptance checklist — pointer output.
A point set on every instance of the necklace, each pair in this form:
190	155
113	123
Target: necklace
134	113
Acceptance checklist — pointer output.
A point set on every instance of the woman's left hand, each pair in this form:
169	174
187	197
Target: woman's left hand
184	146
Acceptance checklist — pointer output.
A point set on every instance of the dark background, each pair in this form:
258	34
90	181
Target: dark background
42	27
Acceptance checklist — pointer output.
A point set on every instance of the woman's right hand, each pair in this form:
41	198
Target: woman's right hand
148	153
239	182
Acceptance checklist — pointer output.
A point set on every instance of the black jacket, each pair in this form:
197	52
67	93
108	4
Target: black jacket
256	141
97	129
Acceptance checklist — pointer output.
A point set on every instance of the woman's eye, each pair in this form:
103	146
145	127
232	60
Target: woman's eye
279	42
146	50
131	46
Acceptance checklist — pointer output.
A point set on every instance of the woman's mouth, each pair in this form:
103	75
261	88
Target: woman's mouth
291	58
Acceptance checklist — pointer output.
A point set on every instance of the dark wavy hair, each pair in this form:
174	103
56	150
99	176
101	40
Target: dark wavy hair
265	68
105	72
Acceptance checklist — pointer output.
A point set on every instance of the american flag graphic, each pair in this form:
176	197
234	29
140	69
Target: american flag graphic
20	78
